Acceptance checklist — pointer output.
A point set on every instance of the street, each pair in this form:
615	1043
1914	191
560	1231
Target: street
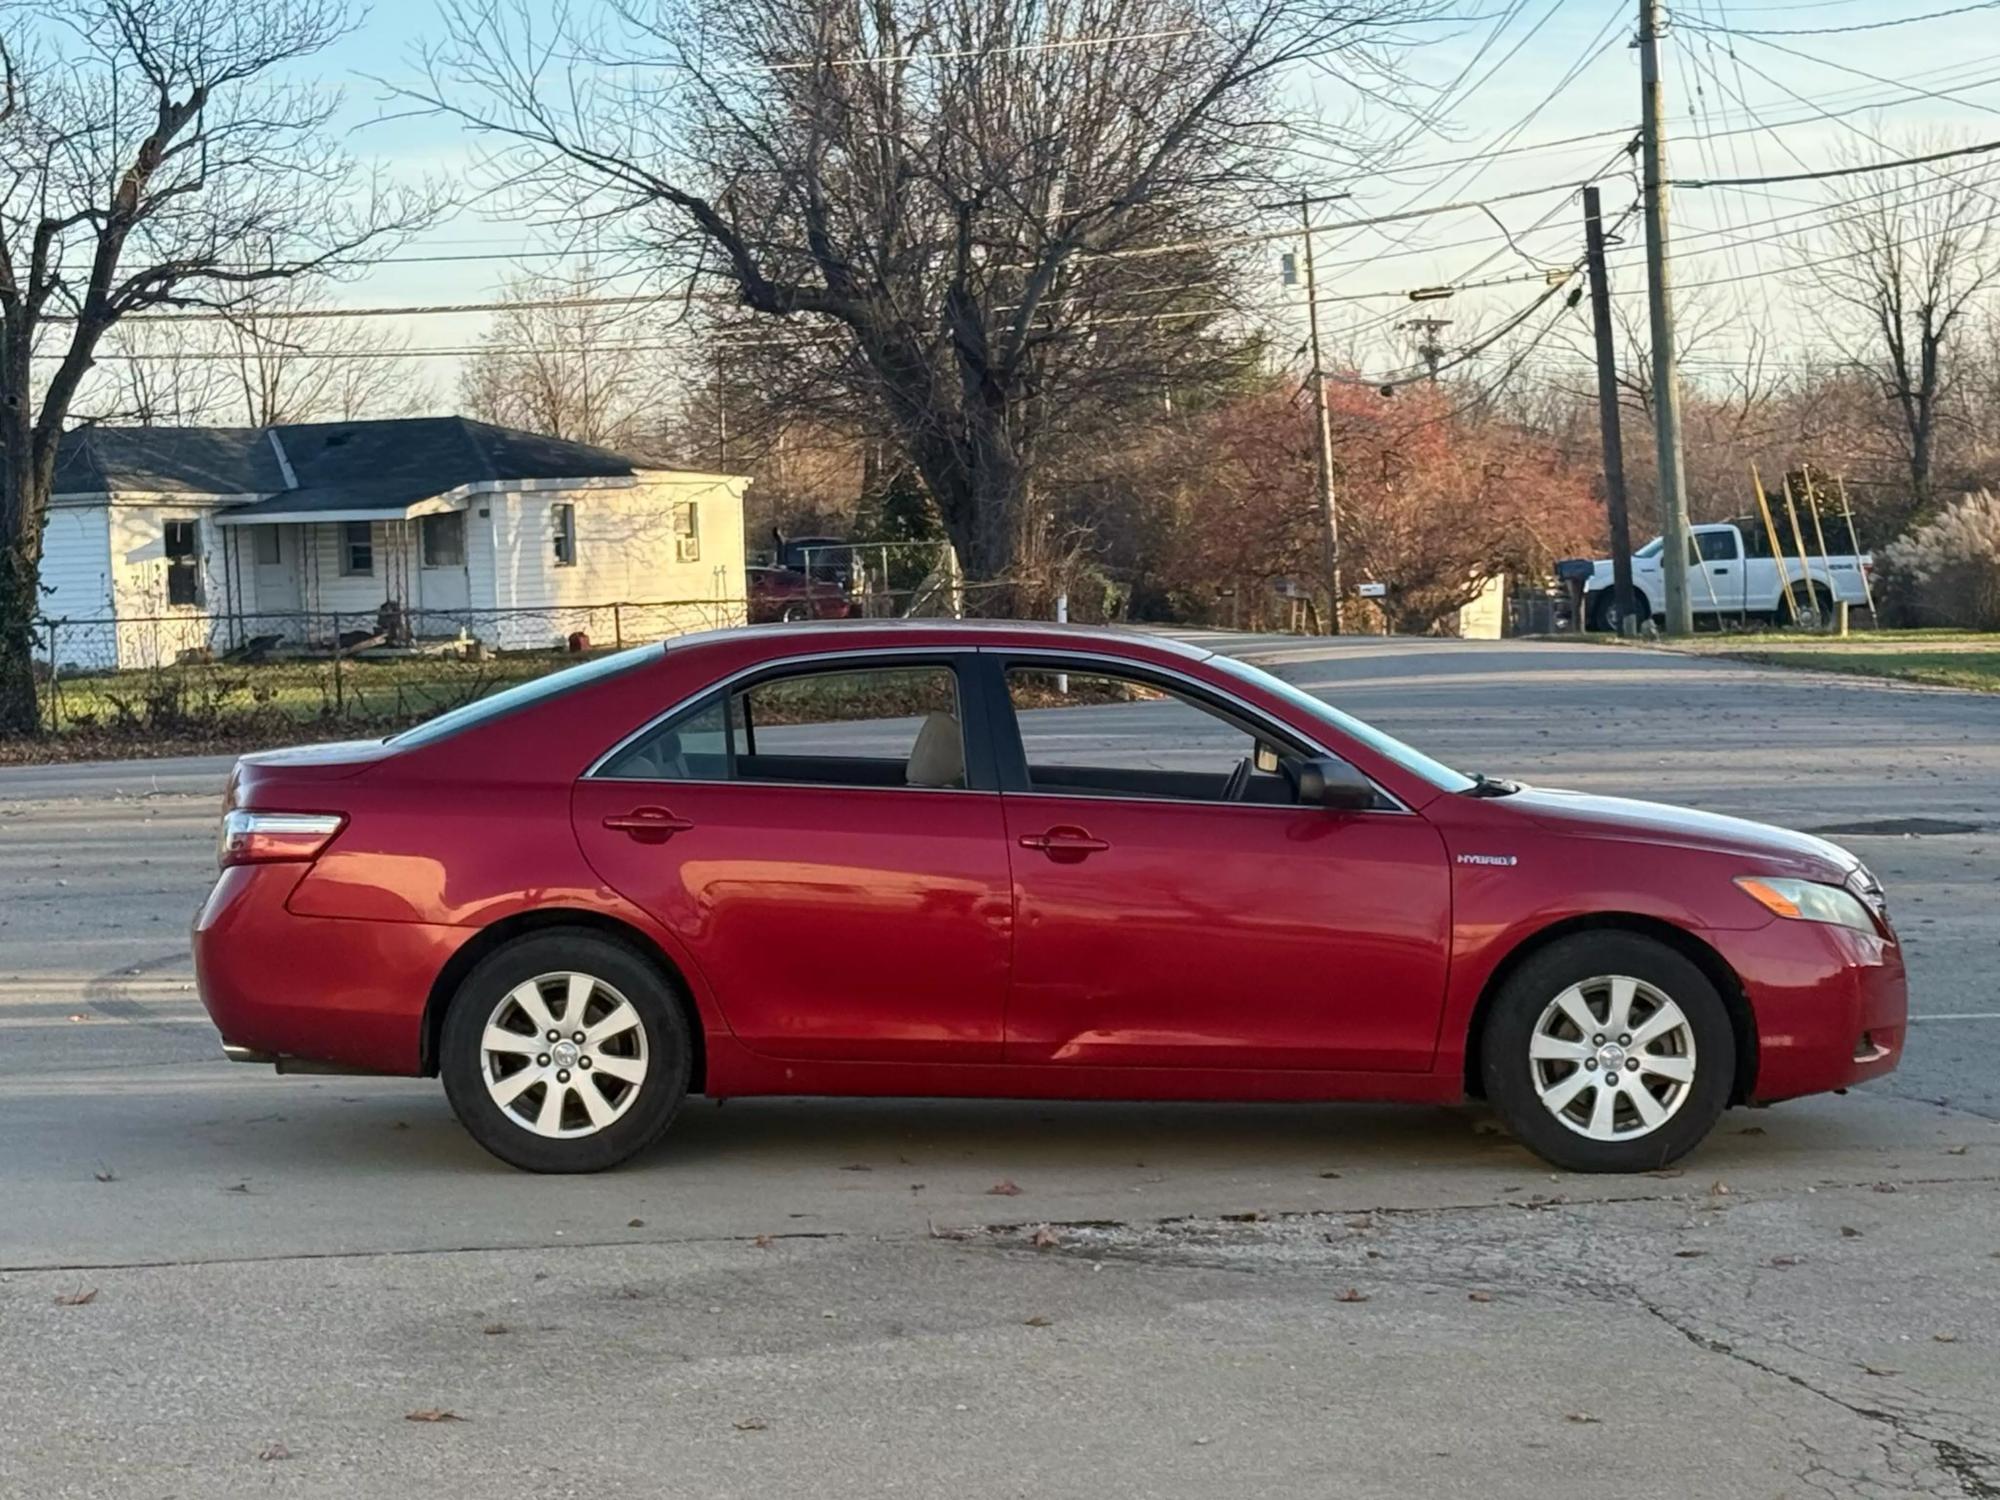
215	1281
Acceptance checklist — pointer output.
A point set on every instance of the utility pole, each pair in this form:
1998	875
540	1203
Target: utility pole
1329	517
1429	350
1607	410
1660	305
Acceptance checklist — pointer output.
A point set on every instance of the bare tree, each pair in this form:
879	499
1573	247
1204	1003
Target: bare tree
1898	270
263	362
983	215
559	361
151	155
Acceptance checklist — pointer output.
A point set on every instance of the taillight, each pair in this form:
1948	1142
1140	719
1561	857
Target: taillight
261	838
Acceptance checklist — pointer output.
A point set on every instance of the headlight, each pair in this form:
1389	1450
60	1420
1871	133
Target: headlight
1809	901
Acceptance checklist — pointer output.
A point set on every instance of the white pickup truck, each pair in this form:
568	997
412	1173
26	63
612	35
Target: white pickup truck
1731	572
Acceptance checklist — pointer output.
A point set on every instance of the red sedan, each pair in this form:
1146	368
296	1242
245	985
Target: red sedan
1013	861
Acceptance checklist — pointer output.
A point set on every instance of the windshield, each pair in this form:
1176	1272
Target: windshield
1438	774
524	693
1651	549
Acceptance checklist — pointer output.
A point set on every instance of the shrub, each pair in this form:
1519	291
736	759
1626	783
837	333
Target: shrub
1947	571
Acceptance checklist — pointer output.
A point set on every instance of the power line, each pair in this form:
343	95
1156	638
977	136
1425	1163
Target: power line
1935	15
1880	166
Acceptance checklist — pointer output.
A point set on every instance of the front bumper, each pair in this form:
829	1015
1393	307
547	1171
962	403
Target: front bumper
331	991
1831	1005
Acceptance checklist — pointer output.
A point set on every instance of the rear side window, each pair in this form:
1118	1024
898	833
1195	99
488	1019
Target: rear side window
525	695
874	726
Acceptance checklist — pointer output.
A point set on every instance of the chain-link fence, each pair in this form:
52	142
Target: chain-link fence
225	681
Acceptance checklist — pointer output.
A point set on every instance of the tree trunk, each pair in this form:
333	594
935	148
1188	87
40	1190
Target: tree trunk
20	711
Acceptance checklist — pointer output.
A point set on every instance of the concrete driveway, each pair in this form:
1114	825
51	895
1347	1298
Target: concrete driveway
218	1282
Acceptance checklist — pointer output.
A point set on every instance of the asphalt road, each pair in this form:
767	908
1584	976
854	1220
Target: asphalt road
267	1276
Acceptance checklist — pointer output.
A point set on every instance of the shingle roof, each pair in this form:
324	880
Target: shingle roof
336	464
167	461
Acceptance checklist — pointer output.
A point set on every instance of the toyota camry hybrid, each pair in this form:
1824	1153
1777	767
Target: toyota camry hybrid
1013	861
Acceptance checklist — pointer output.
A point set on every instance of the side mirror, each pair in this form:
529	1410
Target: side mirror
1336	786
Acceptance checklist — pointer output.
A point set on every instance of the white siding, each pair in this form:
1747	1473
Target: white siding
152	632
626	554
76	573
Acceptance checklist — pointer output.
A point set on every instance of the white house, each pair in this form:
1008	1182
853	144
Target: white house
164	540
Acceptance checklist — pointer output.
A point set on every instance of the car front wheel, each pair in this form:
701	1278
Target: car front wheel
1608	1052
565	1052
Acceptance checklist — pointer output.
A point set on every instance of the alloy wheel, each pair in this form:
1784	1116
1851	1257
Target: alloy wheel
1613	1058
563	1054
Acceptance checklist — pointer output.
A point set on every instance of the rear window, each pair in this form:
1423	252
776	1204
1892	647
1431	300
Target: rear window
525	695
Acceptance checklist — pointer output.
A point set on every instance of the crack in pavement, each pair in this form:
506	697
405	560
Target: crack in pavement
1976	1474
412	1251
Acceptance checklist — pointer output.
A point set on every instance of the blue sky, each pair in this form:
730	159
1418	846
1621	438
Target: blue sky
1566	70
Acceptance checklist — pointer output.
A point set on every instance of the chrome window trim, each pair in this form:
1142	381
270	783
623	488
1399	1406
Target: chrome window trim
722	684
1397	807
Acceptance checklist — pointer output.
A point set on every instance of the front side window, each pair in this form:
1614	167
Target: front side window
183	547
357	549
866	726
1099	734
562	532
1711	546
444	540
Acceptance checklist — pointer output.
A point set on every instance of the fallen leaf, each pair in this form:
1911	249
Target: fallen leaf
1752	1130
1884	1374
1582	1417
1720	1189
1885	1187
1689	1254
492	1328
1478	1296
1250	1216
1045	1238
273	1452
105	1176
857	1166
1944	1338
1956	1150
432	1414
752	1424
1352	1295
1329	1174
635	1223
1784	1260
1849	1232
762	1242
1004	1188
79	1298
1038	1321
241	1187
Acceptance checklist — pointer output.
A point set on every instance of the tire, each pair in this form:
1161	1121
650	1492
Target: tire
1604	611
647	1058
794	614
1560	1120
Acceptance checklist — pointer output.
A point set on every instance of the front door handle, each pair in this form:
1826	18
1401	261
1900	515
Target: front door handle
648	825
1723	569
1064	843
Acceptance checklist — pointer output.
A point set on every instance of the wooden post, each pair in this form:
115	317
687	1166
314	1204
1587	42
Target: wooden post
1853	541
1777	549
1799	541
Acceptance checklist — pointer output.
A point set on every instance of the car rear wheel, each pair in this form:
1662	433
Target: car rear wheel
565	1051
1608	1052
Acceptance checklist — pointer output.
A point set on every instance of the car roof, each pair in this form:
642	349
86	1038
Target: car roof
845	635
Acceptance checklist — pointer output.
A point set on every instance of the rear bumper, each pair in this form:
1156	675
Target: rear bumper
1831	1006
313	989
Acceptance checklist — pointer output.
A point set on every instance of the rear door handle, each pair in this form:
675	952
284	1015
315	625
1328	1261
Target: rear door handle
1064	843
648	825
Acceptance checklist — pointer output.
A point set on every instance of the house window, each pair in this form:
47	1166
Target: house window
687	532
563	529
269	553
357	550
183	562
444	540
